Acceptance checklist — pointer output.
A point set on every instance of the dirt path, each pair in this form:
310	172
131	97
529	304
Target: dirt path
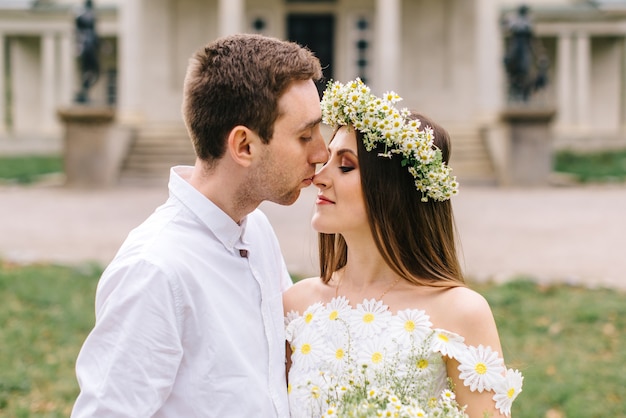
566	234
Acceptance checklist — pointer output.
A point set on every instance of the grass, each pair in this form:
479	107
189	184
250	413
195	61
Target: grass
602	166
568	341
28	169
45	312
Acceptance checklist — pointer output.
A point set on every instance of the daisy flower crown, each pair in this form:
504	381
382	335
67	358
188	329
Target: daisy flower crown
381	122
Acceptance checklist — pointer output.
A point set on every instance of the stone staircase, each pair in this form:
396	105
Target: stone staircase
155	149
158	147
471	160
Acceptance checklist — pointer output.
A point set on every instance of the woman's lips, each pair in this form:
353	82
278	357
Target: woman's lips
321	200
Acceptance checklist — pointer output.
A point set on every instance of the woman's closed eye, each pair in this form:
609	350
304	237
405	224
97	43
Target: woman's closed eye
346	168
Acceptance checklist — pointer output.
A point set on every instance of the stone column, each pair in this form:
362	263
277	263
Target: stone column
583	74
3	109
67	66
564	78
489	68
388	41
623	87
530	146
130	63
93	148
48	61
230	16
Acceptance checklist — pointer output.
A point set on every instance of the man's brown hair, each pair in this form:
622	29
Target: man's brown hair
238	80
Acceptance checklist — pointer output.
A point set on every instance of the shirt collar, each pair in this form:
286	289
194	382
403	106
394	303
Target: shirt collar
223	226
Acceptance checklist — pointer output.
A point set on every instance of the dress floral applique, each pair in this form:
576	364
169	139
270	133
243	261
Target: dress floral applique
371	362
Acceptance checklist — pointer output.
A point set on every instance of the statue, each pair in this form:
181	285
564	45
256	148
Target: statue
87	50
525	61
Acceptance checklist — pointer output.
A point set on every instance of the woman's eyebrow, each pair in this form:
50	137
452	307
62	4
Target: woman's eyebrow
342	151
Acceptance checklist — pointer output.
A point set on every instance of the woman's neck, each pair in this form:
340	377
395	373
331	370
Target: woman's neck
366	274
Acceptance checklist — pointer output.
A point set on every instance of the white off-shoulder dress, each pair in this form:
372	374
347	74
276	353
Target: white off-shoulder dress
355	359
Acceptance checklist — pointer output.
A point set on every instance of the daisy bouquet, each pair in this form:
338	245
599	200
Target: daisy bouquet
362	399
365	362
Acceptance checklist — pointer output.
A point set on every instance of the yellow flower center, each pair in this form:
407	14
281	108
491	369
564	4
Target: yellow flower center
443	337
305	349
308	317
377	357
422	363
333	315
510	393
339	354
368	317
409	326
481	368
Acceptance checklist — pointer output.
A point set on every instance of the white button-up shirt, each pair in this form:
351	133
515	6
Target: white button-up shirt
187	323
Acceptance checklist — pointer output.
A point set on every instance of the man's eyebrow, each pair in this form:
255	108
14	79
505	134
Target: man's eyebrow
311	124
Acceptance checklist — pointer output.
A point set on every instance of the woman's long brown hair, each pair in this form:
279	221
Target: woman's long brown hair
415	238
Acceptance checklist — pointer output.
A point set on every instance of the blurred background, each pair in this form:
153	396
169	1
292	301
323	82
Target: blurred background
444	57
532	93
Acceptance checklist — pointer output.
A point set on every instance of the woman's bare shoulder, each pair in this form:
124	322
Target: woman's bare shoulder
303	294
464	311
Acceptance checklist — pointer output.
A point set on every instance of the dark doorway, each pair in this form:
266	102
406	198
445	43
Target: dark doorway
317	32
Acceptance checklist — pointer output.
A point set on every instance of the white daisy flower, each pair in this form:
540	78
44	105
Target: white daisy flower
507	391
369	318
372	353
481	368
307	349
448	395
311	313
293	323
307	395
338	308
410	324
448	343
338	353
291	315
331	411
422	364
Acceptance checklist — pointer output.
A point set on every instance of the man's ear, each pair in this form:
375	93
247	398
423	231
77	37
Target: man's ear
242	144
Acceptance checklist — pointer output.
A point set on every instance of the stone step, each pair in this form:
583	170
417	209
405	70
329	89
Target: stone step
470	160
155	150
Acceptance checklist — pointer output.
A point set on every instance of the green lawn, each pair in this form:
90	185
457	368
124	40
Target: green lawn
568	341
598	167
45	312
28	169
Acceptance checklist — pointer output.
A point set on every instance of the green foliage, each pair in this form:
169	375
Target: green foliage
603	166
27	169
568	341
46	313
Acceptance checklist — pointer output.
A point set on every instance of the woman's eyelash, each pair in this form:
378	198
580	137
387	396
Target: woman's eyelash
345	168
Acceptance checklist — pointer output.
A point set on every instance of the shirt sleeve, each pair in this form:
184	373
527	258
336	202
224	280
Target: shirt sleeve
128	363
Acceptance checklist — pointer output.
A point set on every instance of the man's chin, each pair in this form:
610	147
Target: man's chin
287	199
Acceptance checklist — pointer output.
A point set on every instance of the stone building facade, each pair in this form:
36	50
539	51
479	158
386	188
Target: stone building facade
443	56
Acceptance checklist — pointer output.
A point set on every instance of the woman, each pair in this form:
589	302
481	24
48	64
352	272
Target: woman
389	329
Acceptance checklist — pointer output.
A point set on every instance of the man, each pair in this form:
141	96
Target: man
189	318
